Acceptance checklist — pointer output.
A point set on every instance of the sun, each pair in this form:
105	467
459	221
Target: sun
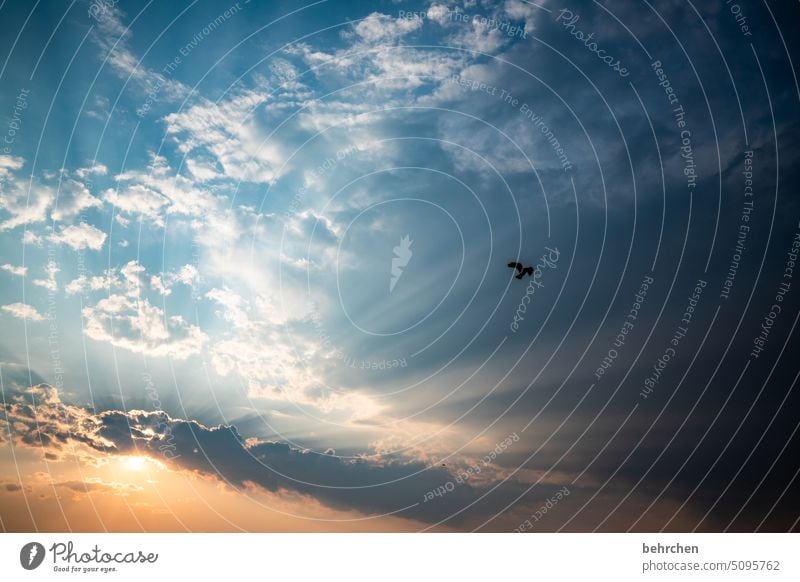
135	463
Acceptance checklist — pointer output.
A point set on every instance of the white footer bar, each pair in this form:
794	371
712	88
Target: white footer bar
400	557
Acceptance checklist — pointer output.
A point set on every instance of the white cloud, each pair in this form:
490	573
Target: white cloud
23	311
95	169
277	358
9	164
157	283
234	307
31	238
76	285
156	192
202	170
14	270
131	278
383	28
439	13
188	275
163	283
25	200
140	200
127	279
480	36
385	66
135	324
80	236
255	349
83	283
403	68
228	132
72	198
520	10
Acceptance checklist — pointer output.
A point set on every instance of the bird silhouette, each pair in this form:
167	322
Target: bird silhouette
521	270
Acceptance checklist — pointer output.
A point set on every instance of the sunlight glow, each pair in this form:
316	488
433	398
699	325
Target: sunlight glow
135	463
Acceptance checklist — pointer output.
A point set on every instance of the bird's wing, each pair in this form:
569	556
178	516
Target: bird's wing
515	265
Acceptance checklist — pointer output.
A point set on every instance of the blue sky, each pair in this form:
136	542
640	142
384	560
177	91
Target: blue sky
201	204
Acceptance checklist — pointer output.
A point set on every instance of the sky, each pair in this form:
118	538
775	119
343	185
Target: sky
254	266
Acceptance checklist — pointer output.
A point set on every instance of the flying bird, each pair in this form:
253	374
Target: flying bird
521	270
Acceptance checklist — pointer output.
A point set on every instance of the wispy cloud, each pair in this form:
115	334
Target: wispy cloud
15	270
23	311
112	36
